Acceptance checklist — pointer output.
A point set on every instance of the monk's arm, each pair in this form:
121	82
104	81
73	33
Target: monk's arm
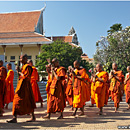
116	77
57	77
125	82
99	79
3	74
79	77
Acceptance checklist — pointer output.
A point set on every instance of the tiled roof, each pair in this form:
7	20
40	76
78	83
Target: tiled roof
64	38
22	38
19	22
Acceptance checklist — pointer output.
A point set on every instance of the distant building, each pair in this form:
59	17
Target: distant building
85	57
71	38
20	33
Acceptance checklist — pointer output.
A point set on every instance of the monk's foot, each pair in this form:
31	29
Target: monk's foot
12	121
81	114
41	105
6	107
32	120
28	114
46	117
116	110
1	115
91	105
60	117
71	109
99	113
74	114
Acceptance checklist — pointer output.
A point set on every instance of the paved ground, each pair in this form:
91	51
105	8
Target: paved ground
109	120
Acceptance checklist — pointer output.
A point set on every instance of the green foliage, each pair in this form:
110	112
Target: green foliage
65	53
114	48
115	28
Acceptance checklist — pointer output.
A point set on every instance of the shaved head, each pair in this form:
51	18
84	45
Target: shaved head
9	66
55	62
1	63
99	67
23	58
114	66
30	62
76	64
128	68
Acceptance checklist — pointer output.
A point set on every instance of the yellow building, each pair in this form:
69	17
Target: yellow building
21	33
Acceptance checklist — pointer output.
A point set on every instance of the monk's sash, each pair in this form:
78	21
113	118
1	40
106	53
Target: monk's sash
54	81
77	82
99	84
115	84
128	84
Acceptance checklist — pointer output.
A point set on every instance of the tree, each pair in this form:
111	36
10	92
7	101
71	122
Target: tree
65	53
114	48
115	27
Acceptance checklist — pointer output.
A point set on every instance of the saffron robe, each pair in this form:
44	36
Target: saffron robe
9	94
116	87
81	92
24	102
69	91
3	74
48	85
100	89
92	93
127	90
56	99
35	88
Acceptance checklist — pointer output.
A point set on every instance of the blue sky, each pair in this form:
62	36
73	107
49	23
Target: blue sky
90	19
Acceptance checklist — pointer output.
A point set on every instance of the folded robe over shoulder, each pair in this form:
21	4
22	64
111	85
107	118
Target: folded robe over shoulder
9	94
56	99
3	74
100	89
24	101
81	92
116	87
35	88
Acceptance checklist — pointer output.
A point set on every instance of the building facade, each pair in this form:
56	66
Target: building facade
21	33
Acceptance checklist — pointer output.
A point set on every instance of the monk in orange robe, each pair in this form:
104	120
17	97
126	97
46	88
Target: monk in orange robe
81	92
34	80
56	100
24	102
101	78
92	88
48	69
3	74
116	85
69	89
9	94
127	89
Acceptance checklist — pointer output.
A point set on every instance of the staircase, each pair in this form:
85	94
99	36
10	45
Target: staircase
42	87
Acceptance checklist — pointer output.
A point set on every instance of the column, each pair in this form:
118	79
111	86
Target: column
39	47
4	46
21	47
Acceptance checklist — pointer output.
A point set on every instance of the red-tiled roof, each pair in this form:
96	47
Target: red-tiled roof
19	35
22	38
19	22
64	38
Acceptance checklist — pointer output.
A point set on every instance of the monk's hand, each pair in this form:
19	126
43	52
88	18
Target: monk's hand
21	74
17	68
52	68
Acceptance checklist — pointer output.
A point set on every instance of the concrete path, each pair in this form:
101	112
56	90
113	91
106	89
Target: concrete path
109	119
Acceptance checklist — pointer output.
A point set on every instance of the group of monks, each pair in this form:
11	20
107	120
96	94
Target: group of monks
73	86
27	92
